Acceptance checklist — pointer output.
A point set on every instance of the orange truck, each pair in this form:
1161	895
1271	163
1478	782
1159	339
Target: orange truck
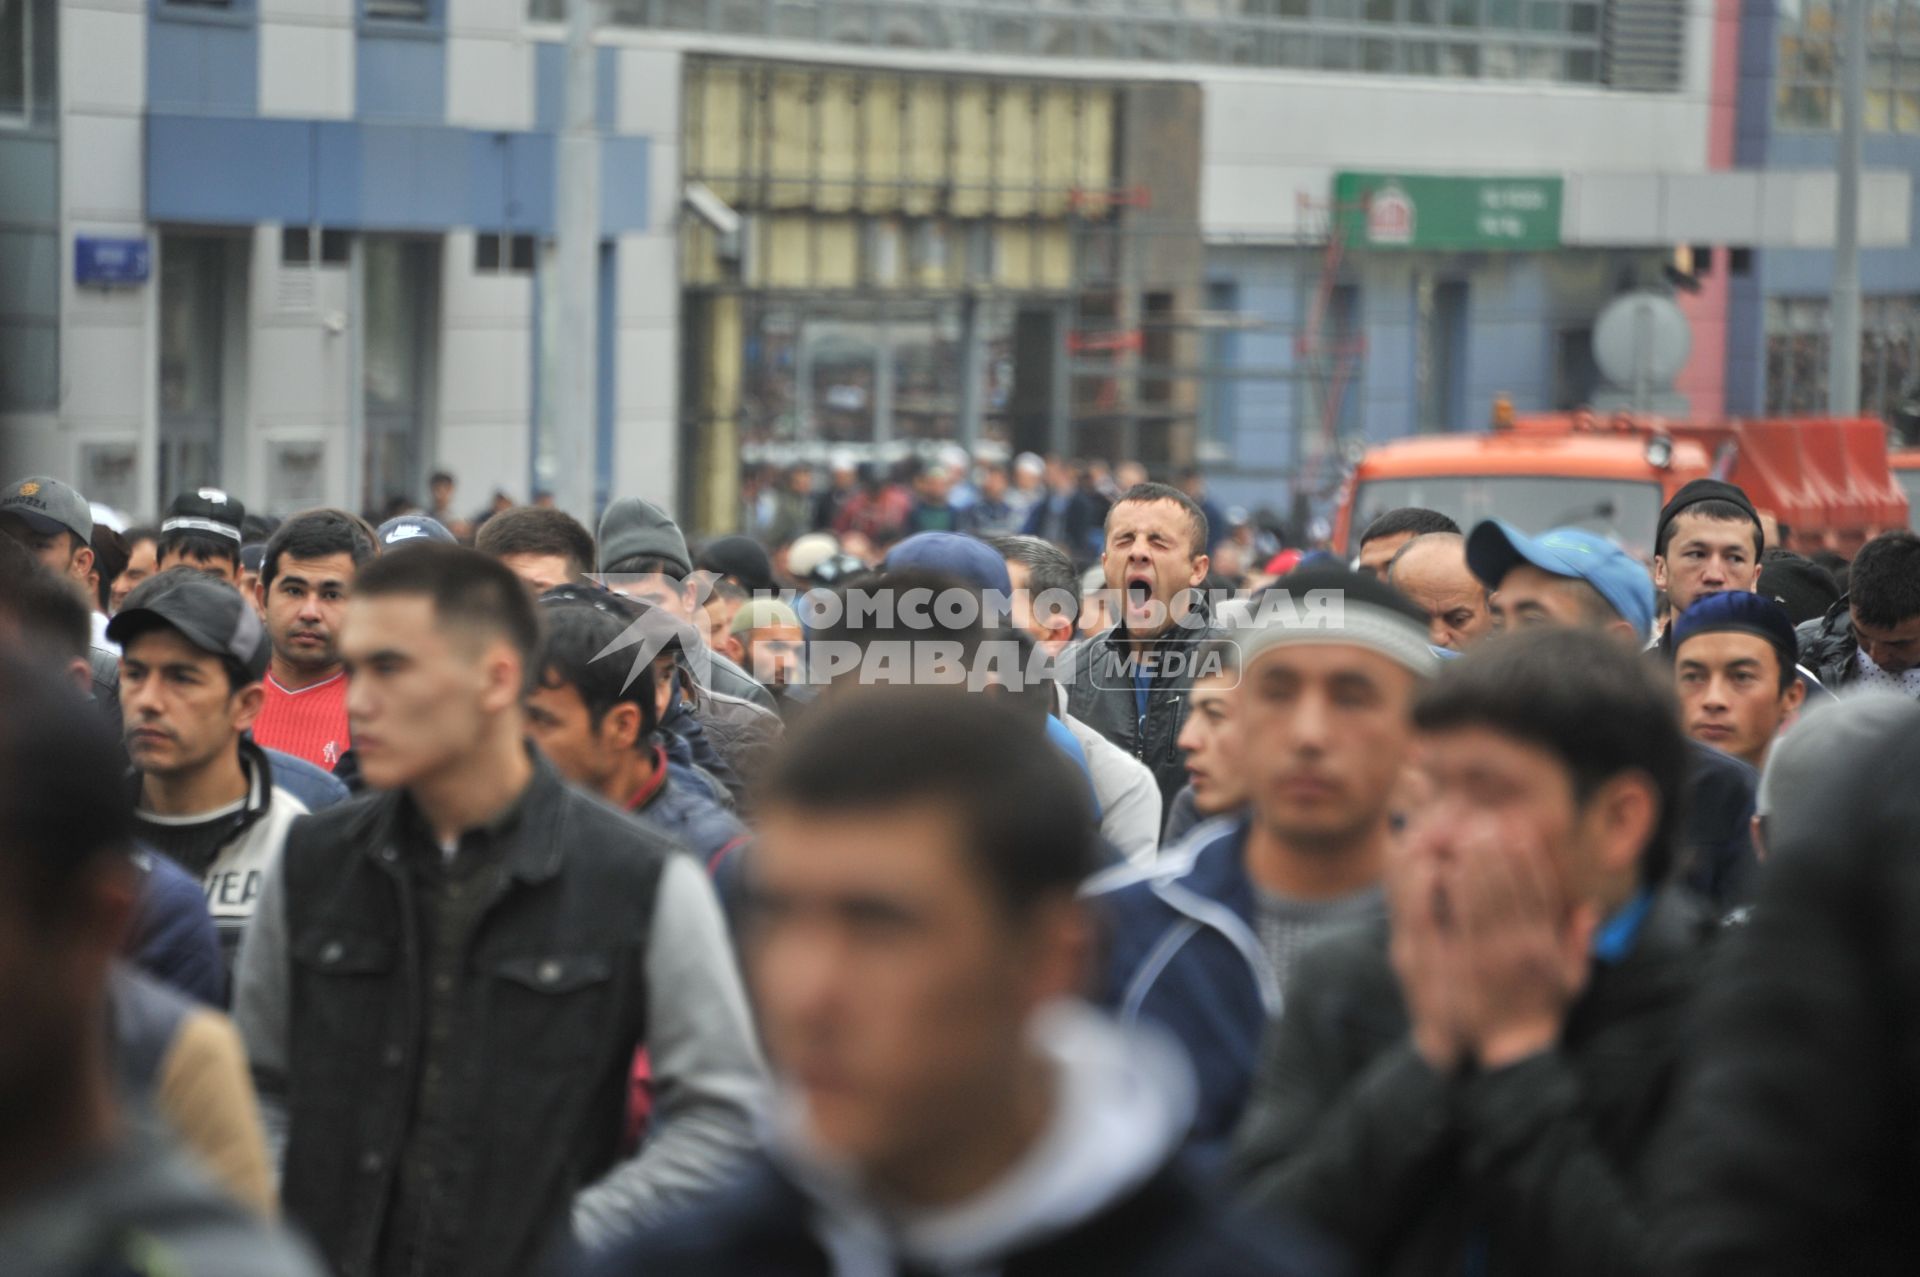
1827	481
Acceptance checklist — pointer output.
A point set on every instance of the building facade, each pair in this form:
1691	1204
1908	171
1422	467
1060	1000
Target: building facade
302	248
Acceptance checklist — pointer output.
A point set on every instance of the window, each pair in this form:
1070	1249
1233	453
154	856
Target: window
296	246
397	10
1806	94
26	61
497	254
1799	337
16	67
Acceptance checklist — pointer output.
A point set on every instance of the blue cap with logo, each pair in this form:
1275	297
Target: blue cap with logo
1495	547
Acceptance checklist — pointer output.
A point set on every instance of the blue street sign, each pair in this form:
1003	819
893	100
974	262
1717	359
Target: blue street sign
110	262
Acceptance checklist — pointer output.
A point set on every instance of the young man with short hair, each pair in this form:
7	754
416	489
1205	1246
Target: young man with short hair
1710	539
545	548
596	720
1734	667
54	523
946	1104
192	656
305	577
1475	1082
1206	941
84	1187
447	979
1574	579
1871	638
1130	682
643	554
143	546
202	531
1383	537
1212	738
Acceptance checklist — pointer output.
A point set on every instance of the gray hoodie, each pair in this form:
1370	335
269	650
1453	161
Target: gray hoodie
1123	1102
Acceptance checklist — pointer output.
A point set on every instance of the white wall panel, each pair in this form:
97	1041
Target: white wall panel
489	83
648	281
103	59
649	92
107	185
306	71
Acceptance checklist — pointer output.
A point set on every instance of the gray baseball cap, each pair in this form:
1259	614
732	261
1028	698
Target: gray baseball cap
208	613
48	505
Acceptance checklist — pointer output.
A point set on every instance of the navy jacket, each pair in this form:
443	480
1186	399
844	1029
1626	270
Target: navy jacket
314	786
1182	951
1718	835
678	808
174	939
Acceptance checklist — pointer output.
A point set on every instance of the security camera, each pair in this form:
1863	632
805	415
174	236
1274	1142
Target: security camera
711	209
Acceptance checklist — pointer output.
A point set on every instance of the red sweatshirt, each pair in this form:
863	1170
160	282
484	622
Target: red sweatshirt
310	723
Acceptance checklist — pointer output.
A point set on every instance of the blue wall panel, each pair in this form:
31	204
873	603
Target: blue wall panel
371	176
401	77
624	163
235	172
210	68
1746	346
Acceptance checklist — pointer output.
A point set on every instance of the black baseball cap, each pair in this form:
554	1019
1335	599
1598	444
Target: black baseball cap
404	528
1801	586
47	505
208	613
207	510
1693	493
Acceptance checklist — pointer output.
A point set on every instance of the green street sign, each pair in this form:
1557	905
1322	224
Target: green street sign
1392	210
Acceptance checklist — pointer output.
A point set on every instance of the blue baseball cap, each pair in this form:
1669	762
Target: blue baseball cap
952	554
412	527
1495	547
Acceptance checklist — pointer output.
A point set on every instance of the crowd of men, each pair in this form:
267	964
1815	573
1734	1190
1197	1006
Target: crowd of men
1060	881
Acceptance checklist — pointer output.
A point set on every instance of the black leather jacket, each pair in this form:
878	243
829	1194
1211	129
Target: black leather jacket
1101	693
1827	647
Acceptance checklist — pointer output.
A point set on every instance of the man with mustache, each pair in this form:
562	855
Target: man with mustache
192	656
304	577
1205	941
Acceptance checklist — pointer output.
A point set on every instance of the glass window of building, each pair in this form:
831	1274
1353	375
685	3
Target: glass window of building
1798	335
1540	40
1807	80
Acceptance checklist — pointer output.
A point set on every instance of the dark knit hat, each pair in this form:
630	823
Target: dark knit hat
1693	494
1743	613
1801	586
741	558
632	528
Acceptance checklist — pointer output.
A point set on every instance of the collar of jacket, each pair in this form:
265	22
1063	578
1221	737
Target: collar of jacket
1664	959
1187	630
655	787
1205	880
532	826
259	773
